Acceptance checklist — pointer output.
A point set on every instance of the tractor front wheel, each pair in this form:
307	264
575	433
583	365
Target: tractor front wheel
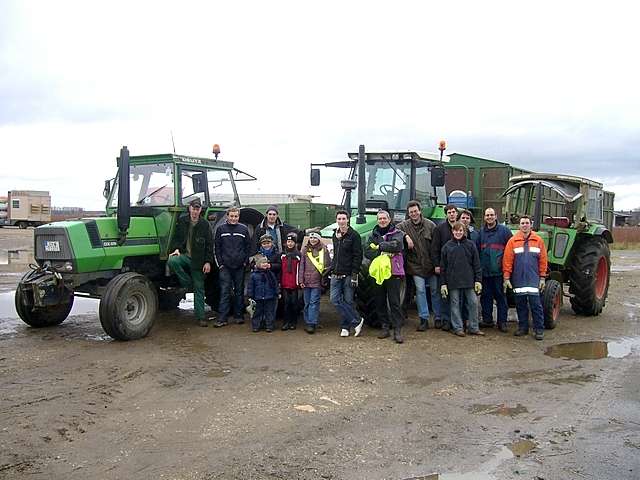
551	303
128	307
589	274
39	317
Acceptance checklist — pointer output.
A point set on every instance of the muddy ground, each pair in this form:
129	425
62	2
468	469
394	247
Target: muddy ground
193	403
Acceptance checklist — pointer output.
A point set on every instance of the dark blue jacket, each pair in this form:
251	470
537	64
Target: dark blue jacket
492	243
460	266
263	284
232	245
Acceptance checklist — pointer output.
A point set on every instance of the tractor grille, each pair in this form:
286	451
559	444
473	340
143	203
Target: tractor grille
51	243
94	235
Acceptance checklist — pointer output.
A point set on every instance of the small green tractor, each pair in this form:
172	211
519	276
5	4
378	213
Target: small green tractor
121	258
568	213
385	180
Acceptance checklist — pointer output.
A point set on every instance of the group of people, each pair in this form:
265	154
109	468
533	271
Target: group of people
451	264
458	263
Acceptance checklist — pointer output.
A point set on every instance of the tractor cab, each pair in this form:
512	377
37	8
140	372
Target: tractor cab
388	180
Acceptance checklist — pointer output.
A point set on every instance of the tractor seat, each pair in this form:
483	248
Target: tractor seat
561	222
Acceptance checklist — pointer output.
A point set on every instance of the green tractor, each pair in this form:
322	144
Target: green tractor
570	215
385	180
121	258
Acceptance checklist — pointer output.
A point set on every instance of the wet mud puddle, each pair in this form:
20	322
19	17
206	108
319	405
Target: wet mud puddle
594	350
10	321
519	448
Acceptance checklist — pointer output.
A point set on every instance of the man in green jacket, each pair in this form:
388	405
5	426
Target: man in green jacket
192	254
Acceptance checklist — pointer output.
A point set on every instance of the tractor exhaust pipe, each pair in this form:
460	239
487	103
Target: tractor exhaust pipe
124	202
361	186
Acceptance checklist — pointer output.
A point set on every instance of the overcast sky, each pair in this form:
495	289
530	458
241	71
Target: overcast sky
547	86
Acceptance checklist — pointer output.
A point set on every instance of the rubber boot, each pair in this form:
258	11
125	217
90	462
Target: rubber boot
384	333
397	335
424	325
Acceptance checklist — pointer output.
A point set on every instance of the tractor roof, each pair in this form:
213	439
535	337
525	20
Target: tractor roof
552	177
180	159
394	156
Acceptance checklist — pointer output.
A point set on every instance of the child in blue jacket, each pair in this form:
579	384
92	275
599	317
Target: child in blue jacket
263	285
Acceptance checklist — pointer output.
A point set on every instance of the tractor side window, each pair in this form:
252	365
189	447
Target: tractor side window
187	183
220	187
150	185
594	205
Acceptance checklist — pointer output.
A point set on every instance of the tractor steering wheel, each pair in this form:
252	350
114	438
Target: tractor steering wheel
387	188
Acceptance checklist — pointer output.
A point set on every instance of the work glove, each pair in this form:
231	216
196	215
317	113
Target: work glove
444	291
478	288
541	284
354	281
373	246
507	285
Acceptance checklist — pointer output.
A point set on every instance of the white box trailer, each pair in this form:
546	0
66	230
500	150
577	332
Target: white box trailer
26	208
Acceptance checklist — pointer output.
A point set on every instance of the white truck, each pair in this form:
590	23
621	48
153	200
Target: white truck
25	208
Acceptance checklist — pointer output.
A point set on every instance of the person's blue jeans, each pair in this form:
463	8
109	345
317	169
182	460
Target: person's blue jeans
341	295
435	295
458	296
231	292
492	289
524	302
421	295
445	313
311	305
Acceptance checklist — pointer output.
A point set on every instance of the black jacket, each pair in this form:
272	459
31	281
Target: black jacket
284	230
460	266
347	253
441	235
394	244
233	245
201	241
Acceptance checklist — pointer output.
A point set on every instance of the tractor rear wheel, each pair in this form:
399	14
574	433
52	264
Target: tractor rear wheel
128	307
551	303
589	274
45	316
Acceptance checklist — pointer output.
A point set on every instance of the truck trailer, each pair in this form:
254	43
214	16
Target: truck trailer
25	208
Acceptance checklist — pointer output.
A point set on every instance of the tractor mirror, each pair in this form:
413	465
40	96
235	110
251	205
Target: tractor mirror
315	177
437	177
107	189
199	182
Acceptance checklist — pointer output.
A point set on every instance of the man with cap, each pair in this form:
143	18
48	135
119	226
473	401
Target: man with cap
192	254
232	250
272	225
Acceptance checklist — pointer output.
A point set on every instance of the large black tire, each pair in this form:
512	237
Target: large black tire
589	274
42	317
128	307
22	225
551	303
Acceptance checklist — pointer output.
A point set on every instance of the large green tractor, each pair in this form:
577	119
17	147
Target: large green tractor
570	215
121	258
385	180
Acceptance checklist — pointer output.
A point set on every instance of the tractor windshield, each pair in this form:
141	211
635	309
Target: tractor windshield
390	182
150	185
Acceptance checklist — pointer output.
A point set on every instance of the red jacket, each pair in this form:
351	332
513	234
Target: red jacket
289	271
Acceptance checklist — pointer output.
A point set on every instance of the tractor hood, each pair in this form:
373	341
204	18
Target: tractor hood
91	244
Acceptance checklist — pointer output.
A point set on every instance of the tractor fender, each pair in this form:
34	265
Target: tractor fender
603	232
